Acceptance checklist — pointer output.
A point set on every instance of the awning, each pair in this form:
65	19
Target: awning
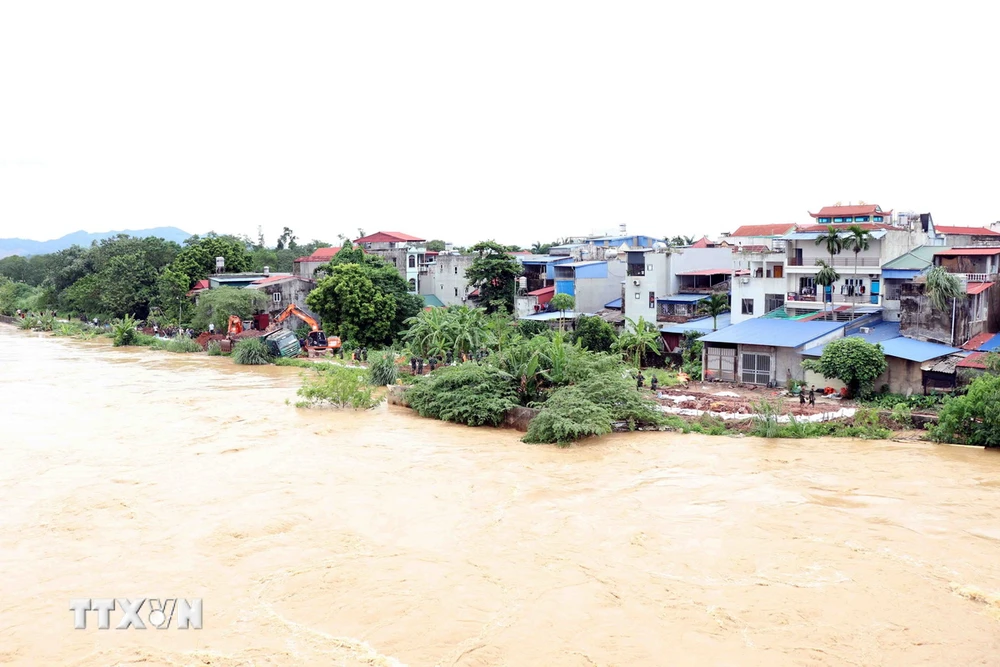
976	288
617	303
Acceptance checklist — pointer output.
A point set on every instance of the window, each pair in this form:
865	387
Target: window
773	302
637	295
756	368
456	270
807	285
878	218
276	297
839	220
892	291
456	290
863	218
652	299
824	219
748	306
412	261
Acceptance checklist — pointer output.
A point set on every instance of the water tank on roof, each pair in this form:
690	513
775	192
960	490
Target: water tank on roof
267	270
220	264
610	253
660	246
522	283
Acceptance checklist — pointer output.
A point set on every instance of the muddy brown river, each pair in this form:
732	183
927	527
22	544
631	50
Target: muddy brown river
379	538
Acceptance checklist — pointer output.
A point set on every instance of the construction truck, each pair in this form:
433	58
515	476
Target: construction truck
316	342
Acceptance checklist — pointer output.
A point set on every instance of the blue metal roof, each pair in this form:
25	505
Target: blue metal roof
915	350
684	298
879	333
617	303
991	344
701	325
541	259
779	333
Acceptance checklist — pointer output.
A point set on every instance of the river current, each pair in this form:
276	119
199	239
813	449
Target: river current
317	537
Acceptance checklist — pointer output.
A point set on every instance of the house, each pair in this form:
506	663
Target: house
966	236
533	302
407	253
667	284
539	270
977	269
764	351
905	358
591	283
306	266
755	238
846	215
443	276
596	247
900	270
198	288
283	291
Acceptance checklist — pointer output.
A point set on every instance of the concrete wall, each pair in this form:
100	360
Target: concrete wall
919	320
754	288
593	293
657	273
293	290
446	279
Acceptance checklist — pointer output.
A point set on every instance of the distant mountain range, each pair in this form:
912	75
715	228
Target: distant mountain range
26	247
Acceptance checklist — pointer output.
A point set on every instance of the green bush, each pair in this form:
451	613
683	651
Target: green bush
338	386
177	345
620	398
124	331
214	348
902	415
251	352
382	369
853	361
972	419
568	415
473	394
765	420
144	339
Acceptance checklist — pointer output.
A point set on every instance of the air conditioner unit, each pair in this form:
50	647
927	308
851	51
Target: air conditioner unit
635	282
745	281
866	330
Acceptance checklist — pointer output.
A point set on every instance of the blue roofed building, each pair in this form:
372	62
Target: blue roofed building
764	350
592	284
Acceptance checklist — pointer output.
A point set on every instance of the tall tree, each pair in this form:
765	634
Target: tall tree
349	301
857	240
436	245
287	239
826	276
716	305
834	243
197	259
941	288
495	274
562	303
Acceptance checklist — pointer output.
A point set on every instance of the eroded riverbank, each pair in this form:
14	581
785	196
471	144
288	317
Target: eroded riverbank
317	537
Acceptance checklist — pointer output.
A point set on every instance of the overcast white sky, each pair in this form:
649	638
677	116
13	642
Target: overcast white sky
519	121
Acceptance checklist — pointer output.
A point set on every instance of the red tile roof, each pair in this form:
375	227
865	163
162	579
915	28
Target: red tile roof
978	341
320	255
387	237
751	248
198	287
764	230
972	231
865	209
703	242
968	252
843	226
543	291
976	288
272	279
974	360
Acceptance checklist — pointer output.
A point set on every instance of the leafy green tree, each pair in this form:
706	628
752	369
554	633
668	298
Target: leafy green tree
348	299
436	245
716	305
594	334
691	348
853	361
562	303
171	290
216	305
681	240
834	243
126	286
286	240
495	273
456	329
972	419
197	259
83	296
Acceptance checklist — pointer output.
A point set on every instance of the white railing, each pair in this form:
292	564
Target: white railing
976	277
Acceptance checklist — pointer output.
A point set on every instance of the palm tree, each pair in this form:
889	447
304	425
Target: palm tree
857	239
826	276
834	244
562	303
638	338
942	287
716	305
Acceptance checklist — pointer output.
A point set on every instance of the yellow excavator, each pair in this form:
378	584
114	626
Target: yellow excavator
316	342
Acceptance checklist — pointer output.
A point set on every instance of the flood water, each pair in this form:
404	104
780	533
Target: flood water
331	538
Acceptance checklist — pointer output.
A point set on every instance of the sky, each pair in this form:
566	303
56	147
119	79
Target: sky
516	121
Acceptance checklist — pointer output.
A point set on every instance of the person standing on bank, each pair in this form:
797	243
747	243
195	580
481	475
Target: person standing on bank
812	396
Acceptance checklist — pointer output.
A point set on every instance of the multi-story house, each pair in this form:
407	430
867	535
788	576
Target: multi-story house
592	284
443	275
668	284
407	253
759	238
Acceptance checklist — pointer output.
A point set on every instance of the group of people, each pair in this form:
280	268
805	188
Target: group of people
640	381
812	396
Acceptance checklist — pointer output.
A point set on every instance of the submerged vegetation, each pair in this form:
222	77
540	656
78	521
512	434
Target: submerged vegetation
251	352
337	386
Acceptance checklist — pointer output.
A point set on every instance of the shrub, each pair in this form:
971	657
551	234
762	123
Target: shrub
177	345
214	348
620	398
568	415
902	415
473	394
124	331
972	419
338	386
382	369
251	352
765	420
853	361
144	339
67	329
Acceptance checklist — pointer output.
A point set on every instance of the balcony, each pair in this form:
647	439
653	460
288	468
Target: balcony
976	277
838	261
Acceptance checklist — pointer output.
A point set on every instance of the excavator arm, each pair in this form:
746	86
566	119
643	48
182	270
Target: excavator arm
292	309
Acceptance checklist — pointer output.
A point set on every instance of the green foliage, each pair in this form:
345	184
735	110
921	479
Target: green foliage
691	349
765	419
458	329
348	299
181	345
436	245
902	415
338	386
593	334
567	416
619	396
562	302
214	349
972	419
716	305
529	328
853	361
832	241
826	275
920	402
942	287
473	394
171	290
639	340
124	331
216	305
197	259
251	352
382	368
495	273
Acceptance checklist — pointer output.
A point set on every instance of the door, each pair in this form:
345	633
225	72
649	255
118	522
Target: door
779	271
756	368
798	257
875	290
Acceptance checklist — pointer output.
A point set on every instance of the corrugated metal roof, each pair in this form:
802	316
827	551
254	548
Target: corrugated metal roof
878	333
968	252
970	231
917	259
540	259
976	288
778	333
543	291
617	303
990	345
701	325
683	298
974	360
977	341
431	301
584	263
553	315
915	350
